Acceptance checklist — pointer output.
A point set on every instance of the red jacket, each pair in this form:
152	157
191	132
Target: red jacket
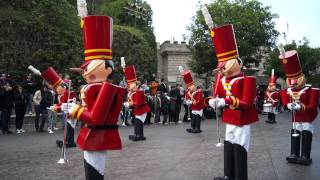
101	105
139	102
64	99
272	97
197	100
239	93
307	97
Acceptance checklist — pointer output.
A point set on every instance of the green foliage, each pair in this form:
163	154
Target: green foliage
254	28
309	59
47	33
133	37
41	33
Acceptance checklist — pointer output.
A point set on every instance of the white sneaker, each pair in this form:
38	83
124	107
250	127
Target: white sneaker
55	128
179	122
30	113
22	130
50	131
18	131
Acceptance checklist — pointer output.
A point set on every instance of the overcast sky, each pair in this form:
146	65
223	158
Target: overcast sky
171	17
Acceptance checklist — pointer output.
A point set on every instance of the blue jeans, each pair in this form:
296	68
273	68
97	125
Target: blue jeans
44	117
63	119
52	118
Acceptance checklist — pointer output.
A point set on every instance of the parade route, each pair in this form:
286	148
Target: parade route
169	153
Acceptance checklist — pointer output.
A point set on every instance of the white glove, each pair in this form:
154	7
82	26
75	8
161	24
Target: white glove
290	106
297	107
221	103
51	108
217	103
212	103
126	104
68	107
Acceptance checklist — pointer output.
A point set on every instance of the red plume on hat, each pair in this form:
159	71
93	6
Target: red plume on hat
272	78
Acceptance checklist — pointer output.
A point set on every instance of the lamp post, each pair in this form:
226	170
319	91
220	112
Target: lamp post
135	11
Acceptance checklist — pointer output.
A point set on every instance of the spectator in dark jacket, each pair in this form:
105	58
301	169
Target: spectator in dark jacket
29	87
162	87
20	105
6	100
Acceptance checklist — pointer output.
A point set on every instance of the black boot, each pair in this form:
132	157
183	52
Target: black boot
190	130
228	162
295	146
197	124
270	118
306	148
135	130
91	173
274	118
140	134
240	162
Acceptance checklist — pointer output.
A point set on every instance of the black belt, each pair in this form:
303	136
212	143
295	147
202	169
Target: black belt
111	126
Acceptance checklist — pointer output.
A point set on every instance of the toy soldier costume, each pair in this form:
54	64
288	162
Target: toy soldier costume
302	100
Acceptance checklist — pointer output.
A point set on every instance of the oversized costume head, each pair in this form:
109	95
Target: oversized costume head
131	77
292	68
97	37
272	81
225	45
188	80
52	77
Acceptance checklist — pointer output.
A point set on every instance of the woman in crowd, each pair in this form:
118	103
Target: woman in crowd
20	105
42	99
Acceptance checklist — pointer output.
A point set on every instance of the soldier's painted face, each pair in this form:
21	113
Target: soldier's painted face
231	68
296	83
133	86
96	71
271	87
192	88
60	90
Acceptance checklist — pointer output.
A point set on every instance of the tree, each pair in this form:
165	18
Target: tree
254	28
133	36
309	59
39	32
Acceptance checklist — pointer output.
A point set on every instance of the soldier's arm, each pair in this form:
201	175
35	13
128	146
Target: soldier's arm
248	94
100	109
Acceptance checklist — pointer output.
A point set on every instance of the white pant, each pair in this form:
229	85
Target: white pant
97	159
199	112
72	122
238	135
300	126
142	117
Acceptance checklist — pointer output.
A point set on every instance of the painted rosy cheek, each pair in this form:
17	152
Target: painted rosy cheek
92	77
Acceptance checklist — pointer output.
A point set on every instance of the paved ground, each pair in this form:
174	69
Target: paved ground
168	154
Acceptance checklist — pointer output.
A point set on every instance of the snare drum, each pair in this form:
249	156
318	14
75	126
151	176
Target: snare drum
267	107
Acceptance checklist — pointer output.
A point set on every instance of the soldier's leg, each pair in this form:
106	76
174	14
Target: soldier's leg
190	130
94	164
306	144
197	123
295	143
228	154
